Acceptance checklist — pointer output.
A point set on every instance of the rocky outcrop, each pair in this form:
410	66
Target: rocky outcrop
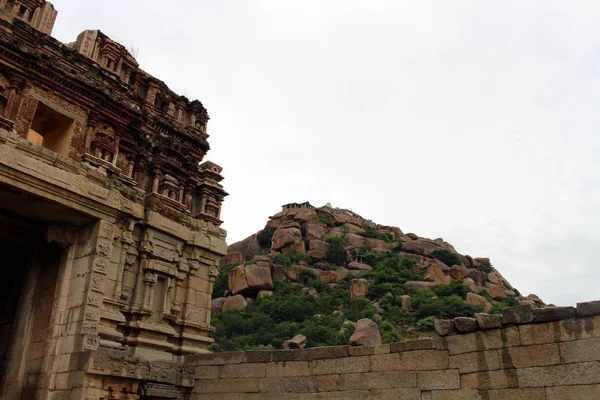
250	279
366	333
297	342
237	302
359	288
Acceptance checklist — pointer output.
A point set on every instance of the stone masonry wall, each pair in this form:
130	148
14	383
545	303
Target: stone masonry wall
533	355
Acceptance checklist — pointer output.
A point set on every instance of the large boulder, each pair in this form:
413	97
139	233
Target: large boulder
459	272
314	231
354	240
216	305
320	245
435	274
237	302
479	301
305	215
287	236
496	291
250	279
297	342
235	257
421	246
356	266
366	333
359	288
247	247
390	230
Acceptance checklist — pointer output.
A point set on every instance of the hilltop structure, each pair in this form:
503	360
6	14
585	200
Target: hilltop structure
109	218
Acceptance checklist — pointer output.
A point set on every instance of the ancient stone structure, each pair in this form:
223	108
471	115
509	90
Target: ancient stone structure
523	354
109	219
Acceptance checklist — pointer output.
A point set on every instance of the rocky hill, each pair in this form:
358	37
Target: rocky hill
316	271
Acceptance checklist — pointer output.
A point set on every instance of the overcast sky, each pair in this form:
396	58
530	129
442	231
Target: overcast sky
474	121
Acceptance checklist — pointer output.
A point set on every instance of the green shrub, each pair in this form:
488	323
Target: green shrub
370	231
505	303
453	288
359	308
325	219
283	259
426	325
296	258
447	257
388	333
486	266
337	251
264	237
485	293
222	281
368	255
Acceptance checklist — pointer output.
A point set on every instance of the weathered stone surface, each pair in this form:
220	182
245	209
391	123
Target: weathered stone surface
459	272
479	301
558	375
406	302
522	314
476	361
588	308
286	237
435	274
314	231
581	392
517	394
496	291
421	246
437	380
344	365
580	350
530	356
444	327
483	340
359	288
297	342
237	302
359	266
500	379
250	279
216	305
465	324
489	321
354	240
418	360
366	333
553	314
377	380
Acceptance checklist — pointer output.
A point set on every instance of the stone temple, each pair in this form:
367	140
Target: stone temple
109	219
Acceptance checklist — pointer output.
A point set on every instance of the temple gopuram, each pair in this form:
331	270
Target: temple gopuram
109	219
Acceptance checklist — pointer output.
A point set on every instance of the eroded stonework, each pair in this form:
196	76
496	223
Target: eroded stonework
109	213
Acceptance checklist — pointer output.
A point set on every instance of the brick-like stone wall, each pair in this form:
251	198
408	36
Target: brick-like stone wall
554	360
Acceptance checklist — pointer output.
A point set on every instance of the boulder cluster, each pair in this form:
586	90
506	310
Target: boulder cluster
299	241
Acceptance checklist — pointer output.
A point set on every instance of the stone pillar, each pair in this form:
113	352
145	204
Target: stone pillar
156	182
116	153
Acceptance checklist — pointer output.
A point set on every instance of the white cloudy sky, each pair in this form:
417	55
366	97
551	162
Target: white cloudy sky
475	121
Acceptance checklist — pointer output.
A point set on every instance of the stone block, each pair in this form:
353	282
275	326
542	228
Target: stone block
351	395
560	375
476	361
444	327
517	394
378	380
413	360
292	368
489	321
369	350
245	370
588	308
418	344
317	353
233	357
483	340
580	350
462	394
207	372
258	356
395	394
500	379
346	365
465	324
522	314
328	383
438	380
530	356
553	314
303	384
250	385
579	392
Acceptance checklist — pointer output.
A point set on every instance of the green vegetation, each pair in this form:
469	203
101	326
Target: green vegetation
486	266
505	303
370	231
337	251
447	257
325	219
264	237
286	260
222	281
